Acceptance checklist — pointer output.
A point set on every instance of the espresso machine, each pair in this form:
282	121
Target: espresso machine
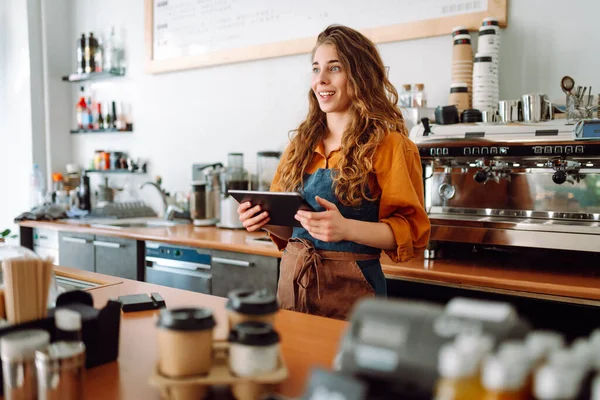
524	185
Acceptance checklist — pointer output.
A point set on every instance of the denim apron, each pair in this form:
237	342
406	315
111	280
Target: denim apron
326	278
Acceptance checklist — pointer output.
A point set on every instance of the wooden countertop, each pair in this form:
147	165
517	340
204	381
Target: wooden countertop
551	280
306	341
186	234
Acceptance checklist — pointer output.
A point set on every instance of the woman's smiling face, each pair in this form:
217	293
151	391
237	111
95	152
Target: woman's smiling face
329	82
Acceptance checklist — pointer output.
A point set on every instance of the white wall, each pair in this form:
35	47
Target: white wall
200	115
16	142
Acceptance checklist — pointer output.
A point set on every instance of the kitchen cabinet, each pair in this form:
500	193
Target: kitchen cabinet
116	256
102	254
232	270
76	250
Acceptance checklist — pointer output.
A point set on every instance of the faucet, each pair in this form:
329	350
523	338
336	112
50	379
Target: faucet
169	210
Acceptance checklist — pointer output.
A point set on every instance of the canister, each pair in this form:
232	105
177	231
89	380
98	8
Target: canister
17	350
61	371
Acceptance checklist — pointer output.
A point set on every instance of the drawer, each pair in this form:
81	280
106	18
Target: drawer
47	238
233	270
193	280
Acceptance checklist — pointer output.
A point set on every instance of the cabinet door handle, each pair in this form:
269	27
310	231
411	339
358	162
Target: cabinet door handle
228	261
110	245
75	240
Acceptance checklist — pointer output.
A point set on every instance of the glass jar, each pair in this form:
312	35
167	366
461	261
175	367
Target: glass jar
266	165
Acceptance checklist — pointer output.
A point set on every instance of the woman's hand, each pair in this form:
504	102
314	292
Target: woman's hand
250	217
328	225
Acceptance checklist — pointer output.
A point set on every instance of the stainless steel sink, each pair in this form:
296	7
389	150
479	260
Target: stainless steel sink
138	223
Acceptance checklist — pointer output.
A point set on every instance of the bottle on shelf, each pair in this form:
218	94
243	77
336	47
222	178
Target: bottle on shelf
114	115
107	117
81	54
100	122
90	108
90	53
109	51
82	112
98	55
418	95
405	96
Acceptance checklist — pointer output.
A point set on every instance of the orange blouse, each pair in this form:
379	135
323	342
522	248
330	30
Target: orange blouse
397	180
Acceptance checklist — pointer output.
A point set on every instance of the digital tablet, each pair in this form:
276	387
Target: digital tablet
281	206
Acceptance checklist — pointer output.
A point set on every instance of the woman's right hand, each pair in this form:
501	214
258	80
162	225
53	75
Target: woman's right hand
250	217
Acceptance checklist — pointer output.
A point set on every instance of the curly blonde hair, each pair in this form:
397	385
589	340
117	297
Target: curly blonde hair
375	114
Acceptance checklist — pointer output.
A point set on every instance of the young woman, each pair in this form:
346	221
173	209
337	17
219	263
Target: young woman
352	161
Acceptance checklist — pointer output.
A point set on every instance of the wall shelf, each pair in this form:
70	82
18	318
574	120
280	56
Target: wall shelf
128	129
115	171
93	76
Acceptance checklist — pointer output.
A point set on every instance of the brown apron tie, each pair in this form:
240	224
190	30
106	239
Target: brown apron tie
310	264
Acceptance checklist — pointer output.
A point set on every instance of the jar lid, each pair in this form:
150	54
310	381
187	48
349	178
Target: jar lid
490	21
23	344
269	154
419	86
459	30
252	302
60	351
253	333
67	320
186	319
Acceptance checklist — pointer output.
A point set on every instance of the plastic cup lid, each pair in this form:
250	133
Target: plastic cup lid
253	333
253	302
186	319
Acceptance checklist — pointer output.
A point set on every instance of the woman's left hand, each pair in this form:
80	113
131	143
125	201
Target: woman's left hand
328	225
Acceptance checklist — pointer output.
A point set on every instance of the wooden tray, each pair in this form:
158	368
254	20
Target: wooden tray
220	373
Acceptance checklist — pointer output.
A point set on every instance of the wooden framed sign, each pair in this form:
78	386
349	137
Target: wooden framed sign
184	34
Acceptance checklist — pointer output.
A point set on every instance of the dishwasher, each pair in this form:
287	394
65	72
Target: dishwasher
178	267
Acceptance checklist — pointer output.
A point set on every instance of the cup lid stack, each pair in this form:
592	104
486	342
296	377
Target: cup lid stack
462	58
486	89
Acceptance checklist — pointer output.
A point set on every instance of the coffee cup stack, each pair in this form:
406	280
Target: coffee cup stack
486	90
462	59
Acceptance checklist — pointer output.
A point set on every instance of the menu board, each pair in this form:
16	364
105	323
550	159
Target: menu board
184	34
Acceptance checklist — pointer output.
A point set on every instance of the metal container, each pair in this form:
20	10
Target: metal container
510	110
536	107
18	365
61	371
206	194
